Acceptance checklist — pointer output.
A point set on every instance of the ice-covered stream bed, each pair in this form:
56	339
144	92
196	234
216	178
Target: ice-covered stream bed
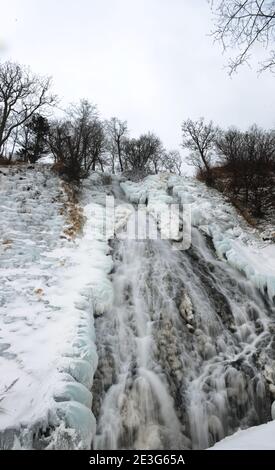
126	343
186	353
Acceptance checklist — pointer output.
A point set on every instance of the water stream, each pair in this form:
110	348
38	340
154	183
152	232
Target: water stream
185	353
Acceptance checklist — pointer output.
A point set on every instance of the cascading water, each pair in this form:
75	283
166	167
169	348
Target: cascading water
186	351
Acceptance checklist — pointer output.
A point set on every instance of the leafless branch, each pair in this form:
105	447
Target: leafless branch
242	24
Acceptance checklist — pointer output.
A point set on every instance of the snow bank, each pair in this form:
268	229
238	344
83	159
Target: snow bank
152	191
256	438
49	289
149	191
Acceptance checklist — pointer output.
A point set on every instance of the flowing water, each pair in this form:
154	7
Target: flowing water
186	352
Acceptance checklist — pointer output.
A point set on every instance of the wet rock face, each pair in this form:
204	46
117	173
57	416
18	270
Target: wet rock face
168	355
186	354
103	379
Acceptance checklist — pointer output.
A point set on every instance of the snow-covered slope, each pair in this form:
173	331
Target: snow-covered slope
49	285
52	286
256	438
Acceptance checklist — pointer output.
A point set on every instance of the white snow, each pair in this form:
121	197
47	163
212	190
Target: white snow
151	189
257	438
49	288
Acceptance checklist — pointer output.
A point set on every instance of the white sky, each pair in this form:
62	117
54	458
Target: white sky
151	62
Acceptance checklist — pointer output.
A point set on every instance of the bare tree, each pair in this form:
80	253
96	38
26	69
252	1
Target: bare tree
144	154
172	162
32	138
111	152
97	146
256	160
199	137
117	132
22	94
10	145
248	166
77	142
157	152
243	23
229	146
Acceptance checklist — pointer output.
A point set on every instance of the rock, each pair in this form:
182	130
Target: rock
269	375
186	309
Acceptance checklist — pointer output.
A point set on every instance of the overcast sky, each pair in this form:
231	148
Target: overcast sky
151	62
